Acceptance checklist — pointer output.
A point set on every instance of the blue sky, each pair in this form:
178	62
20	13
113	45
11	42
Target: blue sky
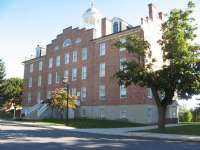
26	23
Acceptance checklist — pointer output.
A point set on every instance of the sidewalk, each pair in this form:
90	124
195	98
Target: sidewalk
131	132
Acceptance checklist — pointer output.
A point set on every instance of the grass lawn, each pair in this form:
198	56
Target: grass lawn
90	123
185	129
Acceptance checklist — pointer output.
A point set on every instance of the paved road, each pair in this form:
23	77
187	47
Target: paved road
18	137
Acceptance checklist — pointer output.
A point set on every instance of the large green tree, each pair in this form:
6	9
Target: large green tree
2	76
180	73
12	90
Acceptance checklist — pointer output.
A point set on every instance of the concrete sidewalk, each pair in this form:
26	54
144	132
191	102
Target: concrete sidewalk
131	132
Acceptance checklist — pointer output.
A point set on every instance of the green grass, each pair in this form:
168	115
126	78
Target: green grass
184	129
90	123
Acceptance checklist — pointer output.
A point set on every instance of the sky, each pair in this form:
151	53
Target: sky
26	23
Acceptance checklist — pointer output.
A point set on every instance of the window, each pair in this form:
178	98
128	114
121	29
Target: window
122	66
66	74
102	92
123	114
50	62
40	65
29	98
84	53
39	81
74	74
149	93
31	67
57	61
74	56
123	91
49	79
57	78
102	68
102	49
115	27
67	58
101	113
67	43
123	41
78	40
56	48
30	82
83	93
84	73
48	94
38	97
73	91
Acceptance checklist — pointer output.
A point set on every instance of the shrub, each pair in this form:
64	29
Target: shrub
186	117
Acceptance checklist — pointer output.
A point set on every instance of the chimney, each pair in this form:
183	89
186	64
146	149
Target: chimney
160	14
103	27
152	11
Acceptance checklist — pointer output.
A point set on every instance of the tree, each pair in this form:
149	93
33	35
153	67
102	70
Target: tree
59	100
12	90
180	73
2	76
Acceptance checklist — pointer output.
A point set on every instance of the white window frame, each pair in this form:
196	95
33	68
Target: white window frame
122	67
123	91
74	74
84	73
74	56
83	93
31	68
30	82
49	78
48	94
57	61
102	49
102	70
74	92
67	42
122	40
84	54
66	58
40	65
57	81
149	93
50	62
39	81
66	74
123	114
102	92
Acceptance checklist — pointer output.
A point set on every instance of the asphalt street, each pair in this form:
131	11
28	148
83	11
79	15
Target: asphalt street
20	137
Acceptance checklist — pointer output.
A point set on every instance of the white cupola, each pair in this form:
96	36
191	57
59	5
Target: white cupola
92	18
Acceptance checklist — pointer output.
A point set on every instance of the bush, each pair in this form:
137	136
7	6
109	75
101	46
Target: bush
186	117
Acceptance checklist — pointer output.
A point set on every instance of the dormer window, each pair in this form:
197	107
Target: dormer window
78	40
67	43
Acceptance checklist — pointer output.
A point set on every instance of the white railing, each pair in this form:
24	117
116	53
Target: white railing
42	110
33	108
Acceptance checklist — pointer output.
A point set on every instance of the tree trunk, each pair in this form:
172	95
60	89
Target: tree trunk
161	109
161	117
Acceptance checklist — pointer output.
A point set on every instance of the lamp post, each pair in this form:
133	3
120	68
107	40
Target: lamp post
66	87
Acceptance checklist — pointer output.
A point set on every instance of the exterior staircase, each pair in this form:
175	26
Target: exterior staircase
36	112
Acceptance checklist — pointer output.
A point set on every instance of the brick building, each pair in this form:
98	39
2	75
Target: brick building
87	58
